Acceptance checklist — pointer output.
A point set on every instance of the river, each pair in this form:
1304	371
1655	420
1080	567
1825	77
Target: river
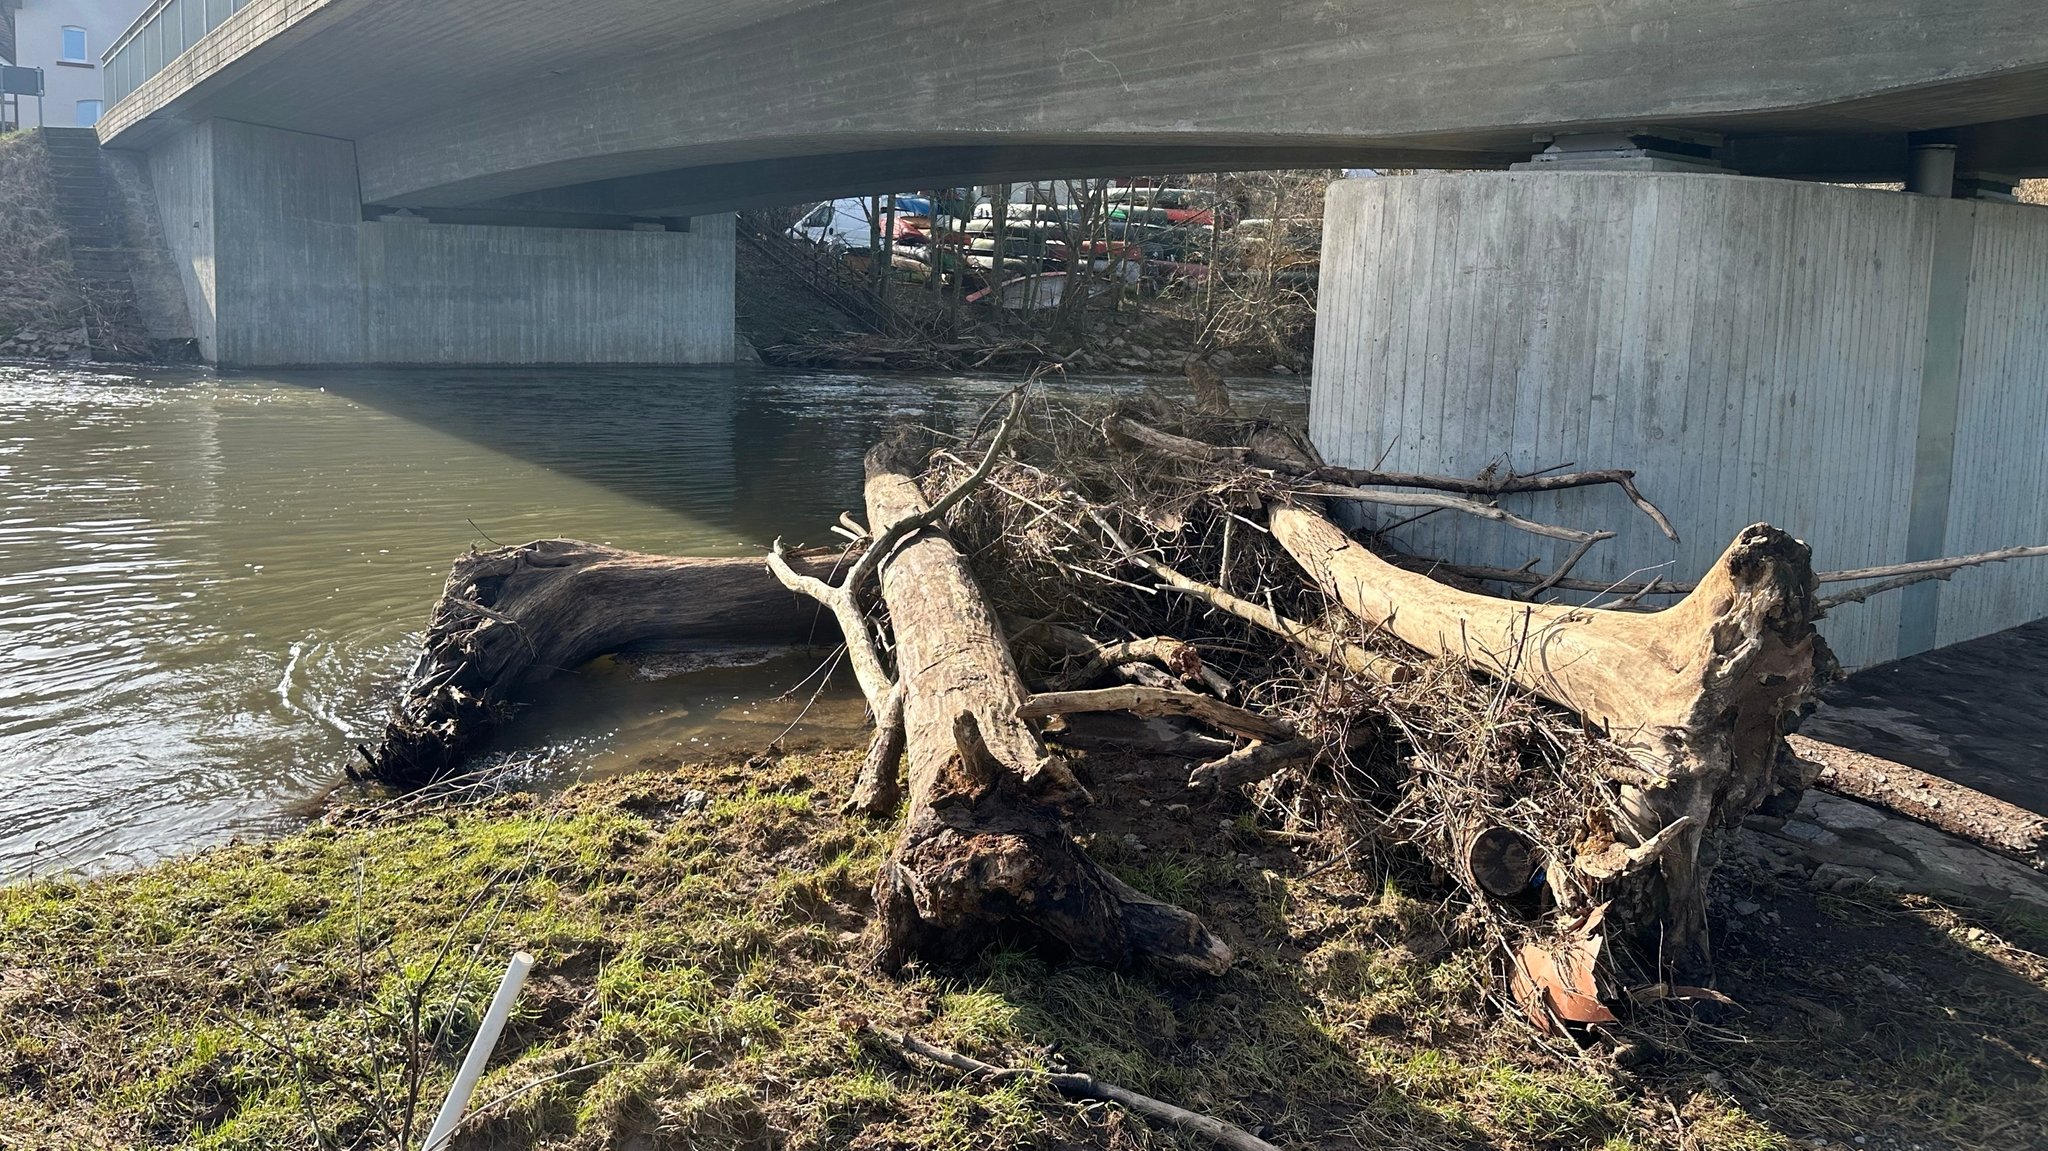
211	584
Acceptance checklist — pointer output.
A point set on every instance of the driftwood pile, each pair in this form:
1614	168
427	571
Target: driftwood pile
1024	597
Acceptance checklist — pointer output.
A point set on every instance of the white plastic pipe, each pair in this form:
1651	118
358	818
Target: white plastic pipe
479	1053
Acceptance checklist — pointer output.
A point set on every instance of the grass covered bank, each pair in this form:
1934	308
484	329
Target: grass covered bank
701	984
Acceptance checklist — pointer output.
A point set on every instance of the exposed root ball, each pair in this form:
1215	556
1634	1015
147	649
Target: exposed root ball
515	615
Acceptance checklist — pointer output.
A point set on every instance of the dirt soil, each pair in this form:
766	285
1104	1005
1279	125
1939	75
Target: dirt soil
1874	1020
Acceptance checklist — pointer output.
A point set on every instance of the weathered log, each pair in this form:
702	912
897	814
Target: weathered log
1700	694
1441	502
1091	658
513	616
984	843
1253	763
1967	813
1120	732
1153	701
1276	453
1327	644
879	784
1901	575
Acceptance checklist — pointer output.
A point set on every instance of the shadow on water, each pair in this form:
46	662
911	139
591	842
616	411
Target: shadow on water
778	453
772	454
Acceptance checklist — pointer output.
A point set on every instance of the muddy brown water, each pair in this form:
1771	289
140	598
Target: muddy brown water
210	585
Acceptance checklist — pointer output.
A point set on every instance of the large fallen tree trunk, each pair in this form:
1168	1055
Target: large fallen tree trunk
1965	812
513	616
984	843
1700	694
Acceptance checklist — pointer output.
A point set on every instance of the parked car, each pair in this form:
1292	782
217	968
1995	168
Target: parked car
1173	205
845	223
1050	214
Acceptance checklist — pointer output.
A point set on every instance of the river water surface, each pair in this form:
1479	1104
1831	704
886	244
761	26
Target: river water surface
210	586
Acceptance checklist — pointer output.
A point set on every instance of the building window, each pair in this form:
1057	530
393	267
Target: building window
74	45
89	112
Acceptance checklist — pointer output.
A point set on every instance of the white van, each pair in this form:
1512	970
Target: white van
835	224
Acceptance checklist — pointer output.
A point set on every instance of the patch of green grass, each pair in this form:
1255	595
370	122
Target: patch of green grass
703	981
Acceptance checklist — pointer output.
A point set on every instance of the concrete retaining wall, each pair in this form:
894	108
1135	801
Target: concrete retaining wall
441	293
1866	369
280	268
181	173
286	214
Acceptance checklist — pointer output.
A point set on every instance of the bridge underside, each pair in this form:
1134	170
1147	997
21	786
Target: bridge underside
693	182
558	149
675	107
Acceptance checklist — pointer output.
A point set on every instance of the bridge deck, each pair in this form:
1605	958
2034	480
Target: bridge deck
469	101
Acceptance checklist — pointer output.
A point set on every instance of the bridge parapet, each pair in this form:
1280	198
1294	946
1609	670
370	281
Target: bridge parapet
158	37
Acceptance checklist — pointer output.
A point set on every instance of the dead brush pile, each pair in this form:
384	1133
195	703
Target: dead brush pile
1169	580
1390	748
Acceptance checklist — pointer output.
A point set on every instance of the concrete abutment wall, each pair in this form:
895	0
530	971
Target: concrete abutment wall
1866	369
279	268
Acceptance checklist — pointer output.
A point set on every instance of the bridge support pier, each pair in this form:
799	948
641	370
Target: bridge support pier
1866	369
280	267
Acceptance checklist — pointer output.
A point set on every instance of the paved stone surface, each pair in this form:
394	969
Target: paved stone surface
1975	713
1840	845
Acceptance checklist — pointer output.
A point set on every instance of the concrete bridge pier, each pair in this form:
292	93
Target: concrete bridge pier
281	267
1867	369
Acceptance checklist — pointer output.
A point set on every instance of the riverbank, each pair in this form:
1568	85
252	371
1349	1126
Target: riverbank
42	304
702	937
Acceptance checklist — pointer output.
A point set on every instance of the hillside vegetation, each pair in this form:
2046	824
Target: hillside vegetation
38	292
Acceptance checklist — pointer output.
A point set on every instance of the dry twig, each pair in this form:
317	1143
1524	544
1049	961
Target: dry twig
1077	1086
1153	701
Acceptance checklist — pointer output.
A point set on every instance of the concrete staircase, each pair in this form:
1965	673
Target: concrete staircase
89	209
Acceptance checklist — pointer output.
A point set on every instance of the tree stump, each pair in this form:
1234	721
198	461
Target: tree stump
1700	694
513	616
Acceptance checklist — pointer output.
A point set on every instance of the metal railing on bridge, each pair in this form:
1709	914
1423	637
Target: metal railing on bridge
160	35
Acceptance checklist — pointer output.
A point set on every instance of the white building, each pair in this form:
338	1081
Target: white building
65	38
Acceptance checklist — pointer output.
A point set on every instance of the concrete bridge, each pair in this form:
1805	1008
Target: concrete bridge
1670	276
276	125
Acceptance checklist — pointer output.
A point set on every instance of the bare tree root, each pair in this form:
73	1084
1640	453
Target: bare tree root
513	616
1700	694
